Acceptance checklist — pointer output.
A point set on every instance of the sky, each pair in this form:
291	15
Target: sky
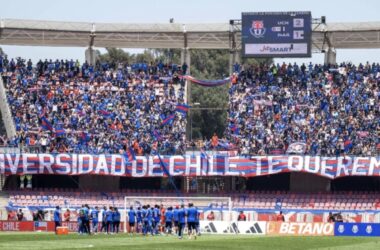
191	11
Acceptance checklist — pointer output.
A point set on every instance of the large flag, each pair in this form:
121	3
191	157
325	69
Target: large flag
235	129
104	113
85	137
157	135
207	83
130	154
41	112
171	180
45	124
183	108
296	148
347	145
168	120
59	131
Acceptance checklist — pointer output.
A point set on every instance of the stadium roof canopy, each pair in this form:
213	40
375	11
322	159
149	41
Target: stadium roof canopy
169	35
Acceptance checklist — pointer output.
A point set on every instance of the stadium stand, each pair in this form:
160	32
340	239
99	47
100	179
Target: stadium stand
332	108
62	106
341	201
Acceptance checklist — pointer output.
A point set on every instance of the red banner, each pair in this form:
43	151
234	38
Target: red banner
28	226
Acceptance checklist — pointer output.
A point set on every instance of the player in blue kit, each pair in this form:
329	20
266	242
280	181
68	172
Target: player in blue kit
57	218
131	220
192	214
86	219
139	220
146	220
168	221
116	220
175	219
109	221
156	219
95	219
181	221
104	220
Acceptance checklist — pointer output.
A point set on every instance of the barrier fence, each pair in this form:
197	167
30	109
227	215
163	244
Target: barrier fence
235	227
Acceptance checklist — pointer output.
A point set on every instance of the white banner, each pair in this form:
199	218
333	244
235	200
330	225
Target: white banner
234	227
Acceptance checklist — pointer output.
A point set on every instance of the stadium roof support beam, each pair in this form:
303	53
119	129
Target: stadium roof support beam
168	35
233	44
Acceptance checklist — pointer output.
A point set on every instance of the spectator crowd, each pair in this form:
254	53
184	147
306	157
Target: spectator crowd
332	109
65	106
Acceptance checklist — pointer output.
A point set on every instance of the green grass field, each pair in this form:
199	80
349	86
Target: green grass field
26	241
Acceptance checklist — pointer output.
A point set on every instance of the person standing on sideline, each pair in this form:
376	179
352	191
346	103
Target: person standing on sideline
104	220
116	220
57	218
131	220
80	221
280	217
139	220
20	215
181	221
242	216
109	221
95	219
168	220
86	219
66	215
192	215
175	219
197	226
156	218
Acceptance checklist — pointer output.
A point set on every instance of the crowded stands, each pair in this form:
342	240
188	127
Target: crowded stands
331	109
63	106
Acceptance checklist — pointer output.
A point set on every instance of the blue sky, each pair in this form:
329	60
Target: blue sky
191	11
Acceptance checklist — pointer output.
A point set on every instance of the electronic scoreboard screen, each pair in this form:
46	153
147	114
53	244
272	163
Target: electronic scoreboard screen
276	34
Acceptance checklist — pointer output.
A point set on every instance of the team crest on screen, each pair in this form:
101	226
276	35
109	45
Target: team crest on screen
355	229
257	30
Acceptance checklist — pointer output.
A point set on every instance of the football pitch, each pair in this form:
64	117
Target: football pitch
26	241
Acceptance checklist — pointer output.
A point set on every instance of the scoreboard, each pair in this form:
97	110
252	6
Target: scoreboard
276	34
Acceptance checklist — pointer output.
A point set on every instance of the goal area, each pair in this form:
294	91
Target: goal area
221	207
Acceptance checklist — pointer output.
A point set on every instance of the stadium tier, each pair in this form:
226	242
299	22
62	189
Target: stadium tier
62	106
251	200
326	110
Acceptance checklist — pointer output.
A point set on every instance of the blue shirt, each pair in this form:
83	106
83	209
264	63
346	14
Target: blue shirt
144	214
175	215
156	214
168	216
181	215
95	215
139	217
85	213
109	216
132	216
192	214
57	215
116	216
149	214
104	215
